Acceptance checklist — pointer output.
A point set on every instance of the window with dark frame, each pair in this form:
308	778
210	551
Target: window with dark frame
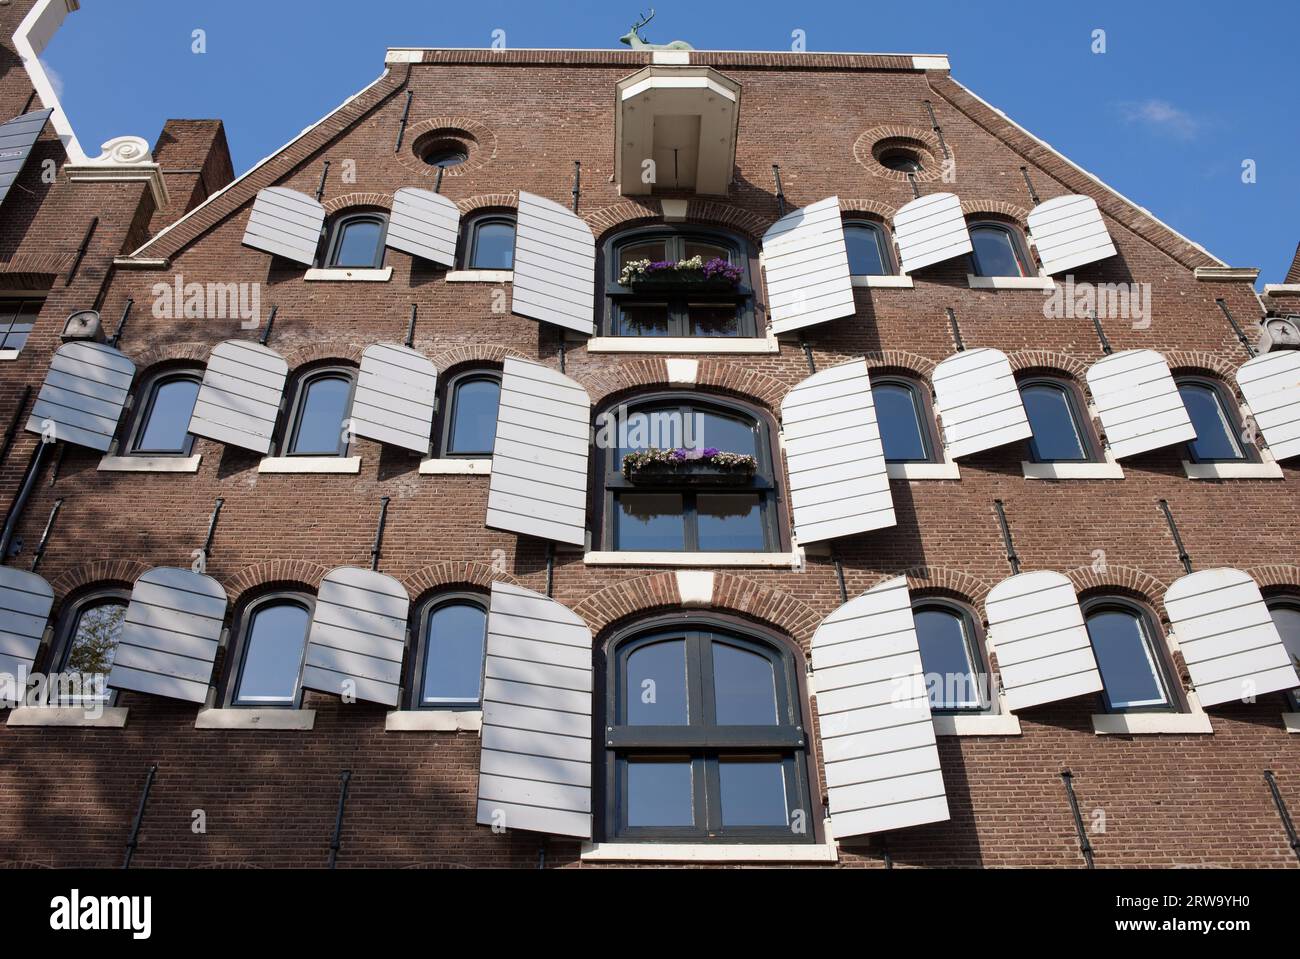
1134	670
905	420
17	317
955	674
1285	611
685	309
469	421
1060	432
357	241
86	641
162	426
869	249
705	738
1218	429
488	242
999	250
448	671
671	512
271	647
318	422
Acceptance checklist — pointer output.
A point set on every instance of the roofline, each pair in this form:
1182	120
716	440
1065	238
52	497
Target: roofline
793	53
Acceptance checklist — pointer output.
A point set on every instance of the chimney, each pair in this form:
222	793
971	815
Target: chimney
195	160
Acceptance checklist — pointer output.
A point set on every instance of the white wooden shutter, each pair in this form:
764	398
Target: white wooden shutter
1232	648
25	603
838	482
357	636
1068	231
285	223
1271	386
424	224
83	394
977	397
17	137
877	736
535	764
1138	402
239	399
930	229
554	265
539	458
170	635
807	266
394	399
1037	630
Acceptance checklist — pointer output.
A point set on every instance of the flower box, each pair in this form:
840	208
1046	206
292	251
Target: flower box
709	467
694	274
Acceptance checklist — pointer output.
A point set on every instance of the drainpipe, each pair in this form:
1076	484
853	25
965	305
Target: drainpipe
20	501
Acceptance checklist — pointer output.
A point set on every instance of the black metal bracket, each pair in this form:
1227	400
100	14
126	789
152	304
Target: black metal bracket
437	181
81	251
1101	334
270	322
401	124
780	193
550	568
212	531
916	190
1029	184
1178	540
1283	813
345	777
121	324
938	130
577	184
1085	846
320	187
379	532
956	330
410	326
134	839
45	536
1236	327
1012	558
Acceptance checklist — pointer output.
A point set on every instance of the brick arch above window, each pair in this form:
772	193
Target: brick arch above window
349	200
902	362
454	574
1275	574
488	201
1203	363
1125	580
475	353
850	205
107	573
711	213
942	581
1049	362
997	209
312	353
723	376
279	573
171	353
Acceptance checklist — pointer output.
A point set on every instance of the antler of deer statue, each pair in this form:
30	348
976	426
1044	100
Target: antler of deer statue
634	39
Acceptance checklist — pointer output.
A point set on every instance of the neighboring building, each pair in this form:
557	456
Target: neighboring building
565	658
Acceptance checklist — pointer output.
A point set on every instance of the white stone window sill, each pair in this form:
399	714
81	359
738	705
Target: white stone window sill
632	558
150	464
923	471
481	276
1291	722
452	466
883	281
1010	282
706	852
109	717
9	354
682	344
433	720
310	464
1226	471
1109	470
352	275
1137	724
301	719
982	724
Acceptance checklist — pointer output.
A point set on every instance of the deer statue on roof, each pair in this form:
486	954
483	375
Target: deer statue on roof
634	39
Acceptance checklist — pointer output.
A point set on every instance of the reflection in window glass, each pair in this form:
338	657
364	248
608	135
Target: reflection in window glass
659	793
474	416
321	415
1126	660
995	252
705	251
273	655
359	244
1051	418
730	522
725	433
649	521
946	659
17	317
744	687
494	247
900	423
90	653
753	792
453	655
866	252
656	685
1287	620
656	251
1215	439
713	319
642	319
166	429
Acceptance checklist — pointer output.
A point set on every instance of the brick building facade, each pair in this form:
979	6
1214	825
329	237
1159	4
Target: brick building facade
1182	785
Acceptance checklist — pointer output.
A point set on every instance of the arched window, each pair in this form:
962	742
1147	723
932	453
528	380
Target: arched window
1060	432
648	292
318	417
357	240
449	665
1134	670
950	656
272	641
869	248
161	428
1218	429
686	502
469	425
905	421
999	250
705	738
488	242
85	644
1285	611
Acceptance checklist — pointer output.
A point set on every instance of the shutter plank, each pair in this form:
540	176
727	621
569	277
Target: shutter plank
239	398
554	265
25	603
979	402
807	266
393	402
535	766
17	138
930	229
1138	402
1068	231
424	224
877	736
285	223
1271	386
83	394
358	635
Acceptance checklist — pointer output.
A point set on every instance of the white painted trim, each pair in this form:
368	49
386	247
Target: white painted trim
947	470
671	57
300	719
150	464
930	63
1010	282
341	275
792	560
695	587
706	852
884	281
433	720
1109	470
110	717
682	344
1137	724
480	276
403	55
8	355
455	467
1291	722
683	372
1211	273
1269	469
30	56
143	263
981	724
1281	288
310	464
674	211
108	171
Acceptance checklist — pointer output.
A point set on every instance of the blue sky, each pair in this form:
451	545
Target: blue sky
1184	93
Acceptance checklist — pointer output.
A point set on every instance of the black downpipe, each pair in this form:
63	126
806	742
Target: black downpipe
1178	540
345	777
1085	847
45	536
17	418
19	504
134	840
1292	840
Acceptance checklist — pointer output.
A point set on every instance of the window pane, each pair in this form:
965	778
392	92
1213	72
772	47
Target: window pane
900	423
995	254
655	693
725	433
273	655
167	430
1124	655
649	521
652	250
744	687
705	251
1287	621
453	658
753	793
865	258
494	247
641	319
1214	435
659	793
474	417
1052	420
945	658
16	320
359	244
713	319
90	654
730	522
323	409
